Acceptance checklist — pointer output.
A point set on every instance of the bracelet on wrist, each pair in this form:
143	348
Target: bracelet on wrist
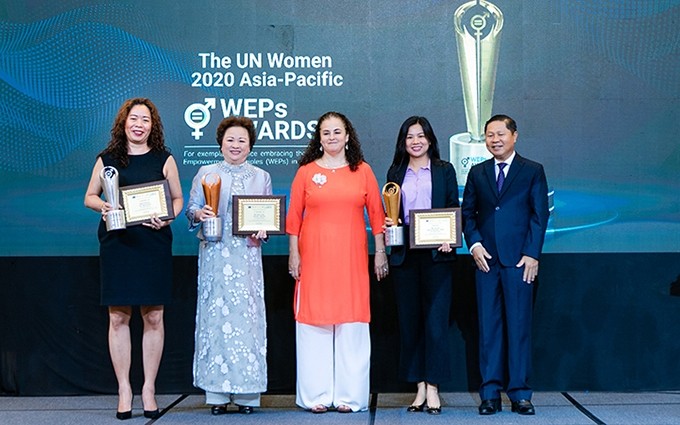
379	250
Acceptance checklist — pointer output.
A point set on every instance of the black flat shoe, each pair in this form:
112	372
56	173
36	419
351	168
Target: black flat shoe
490	406
434	410
152	414
124	415
246	410
413	408
523	407
429	409
218	409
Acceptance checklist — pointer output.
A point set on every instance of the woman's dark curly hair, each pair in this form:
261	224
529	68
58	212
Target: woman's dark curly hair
353	153
118	145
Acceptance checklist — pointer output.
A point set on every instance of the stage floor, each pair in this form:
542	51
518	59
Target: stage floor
658	408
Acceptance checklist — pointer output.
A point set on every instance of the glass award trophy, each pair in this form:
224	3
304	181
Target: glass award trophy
115	219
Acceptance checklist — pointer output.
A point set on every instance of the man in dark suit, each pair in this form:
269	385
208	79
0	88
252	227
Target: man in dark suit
505	216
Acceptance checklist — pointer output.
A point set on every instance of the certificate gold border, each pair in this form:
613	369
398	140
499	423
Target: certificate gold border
159	188
418	219
240	226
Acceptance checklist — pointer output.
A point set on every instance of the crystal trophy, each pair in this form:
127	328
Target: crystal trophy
115	219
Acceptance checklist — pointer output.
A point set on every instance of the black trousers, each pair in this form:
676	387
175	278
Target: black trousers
423	292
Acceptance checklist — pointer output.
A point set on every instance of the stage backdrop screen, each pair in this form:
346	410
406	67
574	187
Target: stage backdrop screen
593	85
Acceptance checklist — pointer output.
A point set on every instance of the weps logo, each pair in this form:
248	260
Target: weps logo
197	116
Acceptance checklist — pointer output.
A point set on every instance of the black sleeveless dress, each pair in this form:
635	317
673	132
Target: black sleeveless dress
136	262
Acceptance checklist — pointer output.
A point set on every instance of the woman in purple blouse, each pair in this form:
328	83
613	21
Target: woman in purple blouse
423	277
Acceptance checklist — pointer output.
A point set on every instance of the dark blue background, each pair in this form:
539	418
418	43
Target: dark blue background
593	86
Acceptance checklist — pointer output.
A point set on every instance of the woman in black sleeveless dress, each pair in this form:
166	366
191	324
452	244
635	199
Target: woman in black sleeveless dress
136	262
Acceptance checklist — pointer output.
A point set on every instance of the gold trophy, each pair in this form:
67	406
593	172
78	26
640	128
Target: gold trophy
212	227
115	219
478	25
394	235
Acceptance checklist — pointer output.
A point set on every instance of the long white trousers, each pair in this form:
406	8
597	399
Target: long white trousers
333	365
252	400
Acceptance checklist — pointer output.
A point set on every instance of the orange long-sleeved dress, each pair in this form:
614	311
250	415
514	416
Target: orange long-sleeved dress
326	212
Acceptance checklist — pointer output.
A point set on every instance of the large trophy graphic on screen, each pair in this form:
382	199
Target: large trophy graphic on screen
478	26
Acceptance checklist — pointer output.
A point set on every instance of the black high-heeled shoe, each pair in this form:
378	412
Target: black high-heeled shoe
414	408
152	414
124	415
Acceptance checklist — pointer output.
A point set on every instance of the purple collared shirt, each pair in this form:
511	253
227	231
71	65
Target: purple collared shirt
416	190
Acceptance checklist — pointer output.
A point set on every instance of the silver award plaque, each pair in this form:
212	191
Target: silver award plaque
115	219
478	25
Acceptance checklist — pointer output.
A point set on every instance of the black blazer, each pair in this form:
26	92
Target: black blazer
444	195
510	224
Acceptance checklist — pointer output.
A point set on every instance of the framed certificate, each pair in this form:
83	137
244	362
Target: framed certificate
251	213
431	228
143	201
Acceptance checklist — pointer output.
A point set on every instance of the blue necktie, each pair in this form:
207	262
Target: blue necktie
501	176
